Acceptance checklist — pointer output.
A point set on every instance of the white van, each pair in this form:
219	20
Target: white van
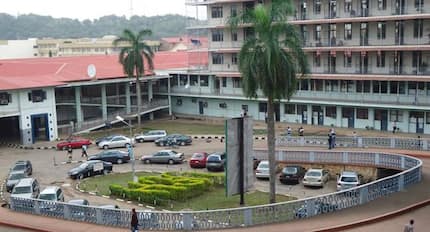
347	180
26	188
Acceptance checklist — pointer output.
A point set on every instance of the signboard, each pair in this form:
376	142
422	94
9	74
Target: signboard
239	131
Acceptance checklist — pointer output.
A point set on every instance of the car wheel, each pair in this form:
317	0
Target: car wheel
183	143
141	140
162	144
147	161
171	161
119	161
105	147
80	176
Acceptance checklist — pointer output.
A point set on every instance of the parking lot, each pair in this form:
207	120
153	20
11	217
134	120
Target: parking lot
50	168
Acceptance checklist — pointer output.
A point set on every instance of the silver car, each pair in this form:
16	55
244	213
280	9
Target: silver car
151	135
116	141
164	156
14	178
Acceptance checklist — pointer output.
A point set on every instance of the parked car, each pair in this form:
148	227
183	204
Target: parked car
78	212
14	178
116	141
78	202
174	139
52	193
292	173
198	160
347	180
74	142
98	140
113	156
109	206
216	161
262	171
164	156
151	135
26	188
316	177
90	168
23	165
320	207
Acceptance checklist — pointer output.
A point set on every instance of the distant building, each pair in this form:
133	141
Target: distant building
182	43
15	49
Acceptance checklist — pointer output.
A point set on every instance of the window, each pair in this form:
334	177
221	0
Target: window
224	82
317	85
427	117
216	12
223	105
384	86
382	4
234	58
290	109
362	113
331	85
380	59
302	109
194	80
348	31
419	4
262	107
5	98
234	36
347	60
330	111
417	59
217	35
179	102
204	81
418	28
183	80
233	11
396	116
348	6
245	108
394	86
381	30
237	83
317	60
376	86
217	58
37	96
317	32
317	7
304	84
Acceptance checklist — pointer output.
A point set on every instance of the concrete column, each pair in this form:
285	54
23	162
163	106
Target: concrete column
405	123
371	117
79	115
309	112
104	102
169	98
339	116
150	95
127	98
281	112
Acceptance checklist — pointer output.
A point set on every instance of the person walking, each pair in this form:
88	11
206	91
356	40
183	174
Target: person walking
330	141
84	151
134	224
301	131
69	153
409	227
289	132
333	138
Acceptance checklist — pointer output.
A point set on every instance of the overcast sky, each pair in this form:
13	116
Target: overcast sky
91	9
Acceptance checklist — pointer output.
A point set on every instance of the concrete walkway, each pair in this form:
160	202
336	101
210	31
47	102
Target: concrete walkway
411	195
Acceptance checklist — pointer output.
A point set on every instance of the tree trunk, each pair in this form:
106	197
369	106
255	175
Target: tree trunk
139	100
271	148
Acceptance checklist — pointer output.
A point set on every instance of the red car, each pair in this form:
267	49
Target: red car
198	160
75	142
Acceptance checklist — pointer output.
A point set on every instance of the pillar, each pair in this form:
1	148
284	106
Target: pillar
309	112
79	115
371	121
127	98
104	102
282	112
338	116
150	95
405	123
169	98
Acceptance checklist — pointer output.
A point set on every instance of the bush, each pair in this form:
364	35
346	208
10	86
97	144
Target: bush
116	189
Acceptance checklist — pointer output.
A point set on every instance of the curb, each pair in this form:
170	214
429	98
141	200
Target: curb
376	219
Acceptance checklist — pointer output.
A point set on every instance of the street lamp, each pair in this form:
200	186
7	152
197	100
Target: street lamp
130	148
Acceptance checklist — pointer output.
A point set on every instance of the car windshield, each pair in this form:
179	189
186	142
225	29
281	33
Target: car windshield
263	165
19	167
16	176
314	173
197	155
213	159
47	196
173	152
290	170
83	166
348	179
21	189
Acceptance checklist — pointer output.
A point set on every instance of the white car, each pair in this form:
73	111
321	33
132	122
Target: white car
26	188
316	177
347	180
262	170
52	193
151	135
116	141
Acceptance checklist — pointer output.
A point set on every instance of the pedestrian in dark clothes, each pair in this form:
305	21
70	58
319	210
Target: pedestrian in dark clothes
330	141
69	153
134	221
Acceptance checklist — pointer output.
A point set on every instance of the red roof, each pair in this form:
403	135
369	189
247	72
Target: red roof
189	41
44	72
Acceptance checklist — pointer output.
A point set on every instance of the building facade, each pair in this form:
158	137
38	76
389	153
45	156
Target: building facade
368	60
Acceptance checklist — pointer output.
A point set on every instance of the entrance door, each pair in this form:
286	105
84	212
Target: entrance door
39	127
384	120
348	113
201	107
317	115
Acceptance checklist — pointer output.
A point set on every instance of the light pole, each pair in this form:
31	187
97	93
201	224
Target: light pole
130	148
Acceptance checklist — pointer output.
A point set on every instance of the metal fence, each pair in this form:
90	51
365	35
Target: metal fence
358	142
249	216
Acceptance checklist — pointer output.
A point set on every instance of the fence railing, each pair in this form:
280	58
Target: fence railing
356	142
249	216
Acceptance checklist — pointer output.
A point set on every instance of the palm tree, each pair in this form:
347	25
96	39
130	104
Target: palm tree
270	60
134	51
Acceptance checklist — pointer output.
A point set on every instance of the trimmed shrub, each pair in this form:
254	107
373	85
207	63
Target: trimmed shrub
116	189
133	185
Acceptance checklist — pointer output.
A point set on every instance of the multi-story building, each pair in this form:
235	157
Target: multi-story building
369	62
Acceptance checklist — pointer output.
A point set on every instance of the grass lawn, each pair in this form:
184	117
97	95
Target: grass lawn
214	199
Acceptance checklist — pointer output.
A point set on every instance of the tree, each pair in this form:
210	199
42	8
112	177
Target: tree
134	52
270	60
